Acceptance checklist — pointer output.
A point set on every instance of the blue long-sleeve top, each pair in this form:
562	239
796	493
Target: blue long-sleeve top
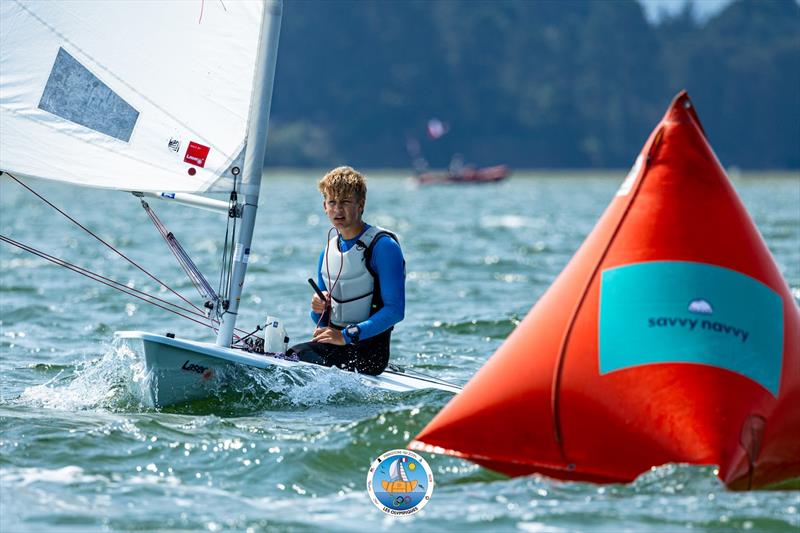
387	261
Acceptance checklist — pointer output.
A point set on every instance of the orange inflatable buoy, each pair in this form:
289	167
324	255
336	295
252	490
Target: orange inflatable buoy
670	337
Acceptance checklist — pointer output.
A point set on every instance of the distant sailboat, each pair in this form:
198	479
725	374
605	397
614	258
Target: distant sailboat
398	479
166	100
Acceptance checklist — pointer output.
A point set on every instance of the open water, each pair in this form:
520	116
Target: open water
291	450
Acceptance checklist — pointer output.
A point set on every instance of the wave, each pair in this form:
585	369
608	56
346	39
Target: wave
114	381
494	329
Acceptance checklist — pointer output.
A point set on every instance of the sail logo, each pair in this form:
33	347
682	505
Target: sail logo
174	144
196	154
400	482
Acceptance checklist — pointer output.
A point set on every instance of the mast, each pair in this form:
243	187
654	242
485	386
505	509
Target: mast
254	159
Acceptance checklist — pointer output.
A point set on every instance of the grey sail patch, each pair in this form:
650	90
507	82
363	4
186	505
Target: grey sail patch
75	94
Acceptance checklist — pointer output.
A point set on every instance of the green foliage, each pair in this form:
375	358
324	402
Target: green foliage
531	83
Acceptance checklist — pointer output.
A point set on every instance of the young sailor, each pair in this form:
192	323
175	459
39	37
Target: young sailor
361	272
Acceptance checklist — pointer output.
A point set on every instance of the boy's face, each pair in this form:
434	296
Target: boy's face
344	213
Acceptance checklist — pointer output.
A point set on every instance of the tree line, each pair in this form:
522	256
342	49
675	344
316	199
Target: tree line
530	83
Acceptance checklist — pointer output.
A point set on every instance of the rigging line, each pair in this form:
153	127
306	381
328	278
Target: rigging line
116	284
223	262
131	261
228	251
231	259
220	287
258	328
106	281
194	274
93	275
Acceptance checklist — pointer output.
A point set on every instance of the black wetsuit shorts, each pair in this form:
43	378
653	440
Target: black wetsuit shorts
370	356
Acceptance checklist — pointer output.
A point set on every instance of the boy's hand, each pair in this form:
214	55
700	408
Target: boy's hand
329	336
318	305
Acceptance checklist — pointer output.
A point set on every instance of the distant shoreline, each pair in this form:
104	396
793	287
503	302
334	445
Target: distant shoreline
528	173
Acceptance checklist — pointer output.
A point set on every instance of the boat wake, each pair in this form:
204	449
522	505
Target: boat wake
246	390
107	382
115	381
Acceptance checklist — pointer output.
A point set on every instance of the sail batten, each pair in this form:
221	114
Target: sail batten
141	96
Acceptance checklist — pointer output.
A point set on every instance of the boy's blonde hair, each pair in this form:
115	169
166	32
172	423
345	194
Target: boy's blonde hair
342	182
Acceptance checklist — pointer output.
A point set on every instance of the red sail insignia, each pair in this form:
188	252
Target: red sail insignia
196	154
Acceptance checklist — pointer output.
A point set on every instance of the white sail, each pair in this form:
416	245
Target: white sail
397	472
130	95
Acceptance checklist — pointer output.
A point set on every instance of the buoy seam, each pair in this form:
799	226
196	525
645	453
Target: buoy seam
557	374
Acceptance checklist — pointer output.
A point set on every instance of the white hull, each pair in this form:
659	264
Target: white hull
178	370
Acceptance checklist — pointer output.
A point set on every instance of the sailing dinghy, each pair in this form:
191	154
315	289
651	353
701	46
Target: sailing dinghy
177	116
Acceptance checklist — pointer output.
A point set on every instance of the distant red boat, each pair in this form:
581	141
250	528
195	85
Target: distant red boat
465	175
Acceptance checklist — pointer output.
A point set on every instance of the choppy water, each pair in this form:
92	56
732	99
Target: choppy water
78	452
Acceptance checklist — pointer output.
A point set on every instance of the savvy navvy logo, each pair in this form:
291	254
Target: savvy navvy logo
400	482
701	307
684	312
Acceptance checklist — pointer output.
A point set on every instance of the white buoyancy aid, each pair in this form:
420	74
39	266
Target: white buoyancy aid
352	294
